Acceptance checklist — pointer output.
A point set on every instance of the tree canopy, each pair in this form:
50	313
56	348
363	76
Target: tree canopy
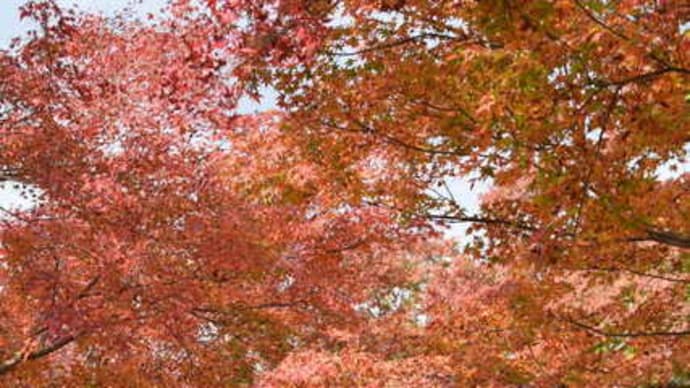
174	240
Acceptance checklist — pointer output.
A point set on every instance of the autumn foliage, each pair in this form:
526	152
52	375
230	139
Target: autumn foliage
170	238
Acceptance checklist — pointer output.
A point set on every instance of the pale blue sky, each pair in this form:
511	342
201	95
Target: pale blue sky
9	21
10	25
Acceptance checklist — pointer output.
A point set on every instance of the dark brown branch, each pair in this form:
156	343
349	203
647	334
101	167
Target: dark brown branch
348	247
482	220
624	37
590	169
645	76
393	140
604	333
668	238
640	273
84	292
599	22
19	358
460	110
244	307
57	345
8	365
390	139
396	43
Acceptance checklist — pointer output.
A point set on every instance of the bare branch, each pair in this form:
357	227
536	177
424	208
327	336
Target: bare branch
19	358
605	333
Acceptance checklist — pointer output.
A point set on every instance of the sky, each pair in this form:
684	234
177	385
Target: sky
11	26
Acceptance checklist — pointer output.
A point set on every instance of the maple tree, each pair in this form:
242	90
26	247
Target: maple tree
161	245
174	240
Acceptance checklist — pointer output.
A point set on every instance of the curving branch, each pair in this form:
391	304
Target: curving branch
391	140
604	333
482	220
21	357
668	238
414	39
641	274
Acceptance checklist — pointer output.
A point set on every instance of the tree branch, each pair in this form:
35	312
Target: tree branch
400	42
668	238
604	333
482	220
599	22
241	306
365	129
19	357
640	273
